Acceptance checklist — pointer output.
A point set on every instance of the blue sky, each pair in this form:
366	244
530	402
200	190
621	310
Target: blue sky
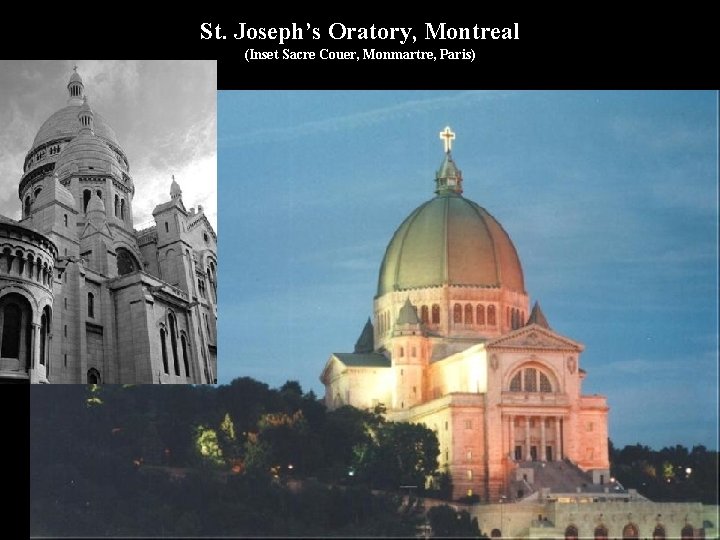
609	197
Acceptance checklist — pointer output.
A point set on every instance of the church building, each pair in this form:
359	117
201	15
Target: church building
454	344
84	296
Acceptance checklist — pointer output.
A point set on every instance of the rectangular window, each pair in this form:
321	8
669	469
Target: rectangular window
469	474
468	455
65	330
468	424
446	425
65	360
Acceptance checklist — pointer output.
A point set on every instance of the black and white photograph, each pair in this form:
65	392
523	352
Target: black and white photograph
108	220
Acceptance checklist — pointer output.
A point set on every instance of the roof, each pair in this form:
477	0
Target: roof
37	236
408	314
450	240
538	317
87	151
363	359
366	341
64	124
172	203
53	191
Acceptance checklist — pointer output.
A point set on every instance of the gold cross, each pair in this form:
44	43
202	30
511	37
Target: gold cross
447	136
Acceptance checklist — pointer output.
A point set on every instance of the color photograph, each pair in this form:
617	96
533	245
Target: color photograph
486	314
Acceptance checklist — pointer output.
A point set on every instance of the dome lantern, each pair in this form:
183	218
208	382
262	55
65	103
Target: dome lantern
86	116
448	179
75	87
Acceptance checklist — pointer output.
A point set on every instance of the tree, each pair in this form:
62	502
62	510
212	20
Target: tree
401	454
446	522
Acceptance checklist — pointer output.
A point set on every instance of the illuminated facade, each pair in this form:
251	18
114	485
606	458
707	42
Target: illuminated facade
86	298
453	344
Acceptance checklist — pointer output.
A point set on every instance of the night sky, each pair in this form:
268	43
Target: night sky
609	197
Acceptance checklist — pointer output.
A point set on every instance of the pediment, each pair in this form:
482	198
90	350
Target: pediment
534	337
91	228
333	368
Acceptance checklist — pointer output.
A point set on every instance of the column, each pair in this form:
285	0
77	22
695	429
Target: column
35	346
511	429
527	439
542	439
558	442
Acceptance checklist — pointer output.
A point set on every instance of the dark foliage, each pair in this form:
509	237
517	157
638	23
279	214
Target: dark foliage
237	460
673	474
446	522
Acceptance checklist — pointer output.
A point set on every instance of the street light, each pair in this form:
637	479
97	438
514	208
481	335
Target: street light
502	524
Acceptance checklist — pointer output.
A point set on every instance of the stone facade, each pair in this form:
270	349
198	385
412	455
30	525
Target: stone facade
454	345
101	302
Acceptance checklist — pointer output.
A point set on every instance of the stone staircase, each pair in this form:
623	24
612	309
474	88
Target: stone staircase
557	476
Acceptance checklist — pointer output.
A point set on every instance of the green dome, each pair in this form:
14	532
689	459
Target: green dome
450	240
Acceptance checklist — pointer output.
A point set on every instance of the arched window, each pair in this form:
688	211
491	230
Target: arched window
173	343
435	314
86	199
495	533
601	533
93	376
201	287
480	314
45	321
28	204
185	358
468	314
630	531
401	350
491	315
99	194
659	533
91	305
126	262
117	205
122	209
207	327
424	314
11	331
457	314
571	533
15	321
163	346
687	532
530	380
65	221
